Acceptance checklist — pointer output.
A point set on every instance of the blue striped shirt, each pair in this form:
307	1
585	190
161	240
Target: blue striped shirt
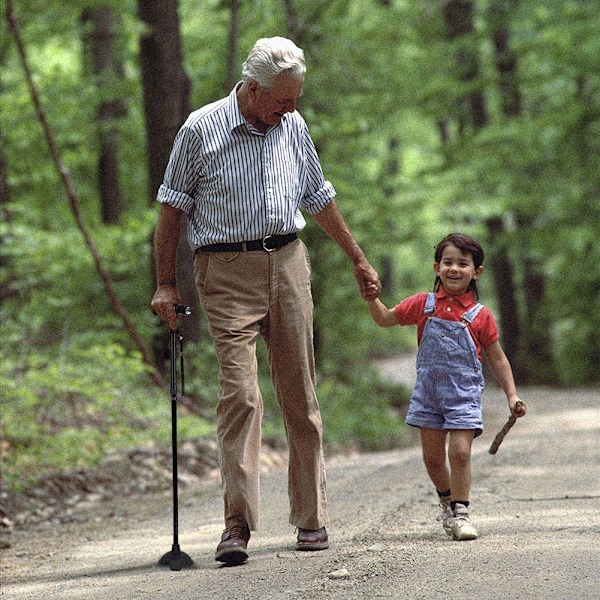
235	183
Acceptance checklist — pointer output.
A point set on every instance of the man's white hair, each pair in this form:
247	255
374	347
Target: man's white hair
269	58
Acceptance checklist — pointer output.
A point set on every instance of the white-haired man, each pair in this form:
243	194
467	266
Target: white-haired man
241	170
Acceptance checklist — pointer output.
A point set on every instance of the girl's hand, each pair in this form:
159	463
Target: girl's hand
518	408
372	291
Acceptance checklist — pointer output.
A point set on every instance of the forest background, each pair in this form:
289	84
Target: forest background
481	116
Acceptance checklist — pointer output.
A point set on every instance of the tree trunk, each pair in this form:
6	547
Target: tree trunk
536	351
458	16
504	284
536	347
166	89
166	86
232	46
504	58
99	43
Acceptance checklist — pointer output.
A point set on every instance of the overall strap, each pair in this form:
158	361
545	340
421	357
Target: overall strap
430	303
470	315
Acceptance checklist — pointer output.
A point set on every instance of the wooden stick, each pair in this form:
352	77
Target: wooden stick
502	433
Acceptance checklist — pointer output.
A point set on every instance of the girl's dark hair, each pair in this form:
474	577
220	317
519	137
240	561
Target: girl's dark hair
467	245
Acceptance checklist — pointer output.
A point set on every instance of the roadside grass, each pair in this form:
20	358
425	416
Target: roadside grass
70	414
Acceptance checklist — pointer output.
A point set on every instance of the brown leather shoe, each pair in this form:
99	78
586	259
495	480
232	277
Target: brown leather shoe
312	539
234	541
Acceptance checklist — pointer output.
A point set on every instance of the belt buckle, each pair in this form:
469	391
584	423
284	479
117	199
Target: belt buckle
264	244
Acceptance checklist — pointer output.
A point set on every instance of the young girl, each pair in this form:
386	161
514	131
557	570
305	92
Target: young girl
452	330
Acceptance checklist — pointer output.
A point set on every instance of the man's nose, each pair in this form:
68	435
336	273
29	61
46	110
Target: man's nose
289	105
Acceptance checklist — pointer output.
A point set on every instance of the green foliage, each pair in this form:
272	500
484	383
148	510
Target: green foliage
360	411
67	412
58	294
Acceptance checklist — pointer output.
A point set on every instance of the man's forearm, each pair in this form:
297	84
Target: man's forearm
332	223
166	240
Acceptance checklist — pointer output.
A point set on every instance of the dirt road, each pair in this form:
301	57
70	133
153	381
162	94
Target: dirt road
536	504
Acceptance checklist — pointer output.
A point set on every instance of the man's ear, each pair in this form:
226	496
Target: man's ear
252	87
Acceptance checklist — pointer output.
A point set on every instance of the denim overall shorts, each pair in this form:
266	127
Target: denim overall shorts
447	394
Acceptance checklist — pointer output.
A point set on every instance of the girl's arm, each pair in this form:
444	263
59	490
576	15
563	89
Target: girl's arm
384	317
504	375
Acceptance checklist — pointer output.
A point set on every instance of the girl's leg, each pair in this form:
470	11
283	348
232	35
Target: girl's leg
433	443
459	455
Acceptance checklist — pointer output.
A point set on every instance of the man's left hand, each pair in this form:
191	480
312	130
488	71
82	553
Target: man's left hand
368	280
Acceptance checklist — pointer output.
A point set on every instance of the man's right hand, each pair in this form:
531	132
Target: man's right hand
164	301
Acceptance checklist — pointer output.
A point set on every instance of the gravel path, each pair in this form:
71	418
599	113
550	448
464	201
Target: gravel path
536	505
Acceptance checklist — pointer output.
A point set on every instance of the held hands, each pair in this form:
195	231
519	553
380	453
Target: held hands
372	291
164	301
368	280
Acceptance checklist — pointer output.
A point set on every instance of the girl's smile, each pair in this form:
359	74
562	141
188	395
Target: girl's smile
456	270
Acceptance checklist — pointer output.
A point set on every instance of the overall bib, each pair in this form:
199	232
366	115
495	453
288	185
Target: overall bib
447	394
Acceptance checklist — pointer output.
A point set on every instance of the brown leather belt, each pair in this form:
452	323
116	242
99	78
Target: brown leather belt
268	244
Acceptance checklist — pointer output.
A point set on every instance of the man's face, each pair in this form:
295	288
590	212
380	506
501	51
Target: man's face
269	106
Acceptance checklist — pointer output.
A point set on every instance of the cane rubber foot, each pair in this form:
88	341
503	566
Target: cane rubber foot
176	560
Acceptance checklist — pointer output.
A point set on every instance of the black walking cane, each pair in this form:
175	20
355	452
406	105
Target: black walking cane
176	559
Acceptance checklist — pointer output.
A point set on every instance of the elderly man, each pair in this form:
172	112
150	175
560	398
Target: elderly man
241	170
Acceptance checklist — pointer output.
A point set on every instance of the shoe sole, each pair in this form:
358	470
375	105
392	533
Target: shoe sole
464	537
232	557
312	547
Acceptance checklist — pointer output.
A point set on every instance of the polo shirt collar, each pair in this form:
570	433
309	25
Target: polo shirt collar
466	300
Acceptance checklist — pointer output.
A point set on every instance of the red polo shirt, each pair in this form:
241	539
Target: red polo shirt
411	311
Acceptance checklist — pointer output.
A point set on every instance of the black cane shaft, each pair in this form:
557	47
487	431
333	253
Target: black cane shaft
176	559
175	474
174	336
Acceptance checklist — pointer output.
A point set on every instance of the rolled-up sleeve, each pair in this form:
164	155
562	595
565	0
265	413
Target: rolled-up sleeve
183	171
319	193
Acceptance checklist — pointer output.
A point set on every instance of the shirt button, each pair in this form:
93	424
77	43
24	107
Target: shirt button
449	309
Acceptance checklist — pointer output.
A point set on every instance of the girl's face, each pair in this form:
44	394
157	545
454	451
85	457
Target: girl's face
456	270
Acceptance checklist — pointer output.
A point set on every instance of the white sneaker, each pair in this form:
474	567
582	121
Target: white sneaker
446	516
461	527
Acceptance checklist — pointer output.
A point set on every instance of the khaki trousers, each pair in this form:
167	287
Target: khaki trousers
244	295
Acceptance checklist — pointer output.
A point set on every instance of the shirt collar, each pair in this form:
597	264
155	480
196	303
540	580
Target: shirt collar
234	114
466	300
